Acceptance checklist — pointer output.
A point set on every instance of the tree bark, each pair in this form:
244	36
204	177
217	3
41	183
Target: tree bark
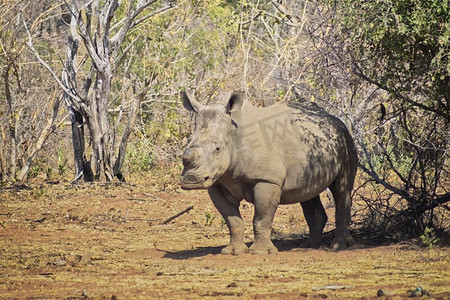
3	168
82	165
12	120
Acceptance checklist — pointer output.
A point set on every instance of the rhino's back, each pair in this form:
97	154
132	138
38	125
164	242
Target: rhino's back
298	146
318	155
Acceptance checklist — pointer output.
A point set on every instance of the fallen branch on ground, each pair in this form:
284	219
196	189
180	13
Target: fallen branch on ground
177	215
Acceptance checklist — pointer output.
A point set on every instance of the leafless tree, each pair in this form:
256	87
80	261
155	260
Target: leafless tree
100	30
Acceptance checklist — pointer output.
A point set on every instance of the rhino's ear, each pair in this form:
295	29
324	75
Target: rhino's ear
190	103
235	102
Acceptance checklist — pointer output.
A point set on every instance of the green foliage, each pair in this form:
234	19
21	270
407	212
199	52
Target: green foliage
222	223
399	42
179	46
398	56
39	192
429	237
209	218
62	161
139	156
43	169
38	167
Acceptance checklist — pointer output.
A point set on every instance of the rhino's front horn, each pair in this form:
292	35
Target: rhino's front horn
189	157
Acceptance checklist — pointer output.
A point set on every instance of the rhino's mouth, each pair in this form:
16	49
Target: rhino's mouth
193	179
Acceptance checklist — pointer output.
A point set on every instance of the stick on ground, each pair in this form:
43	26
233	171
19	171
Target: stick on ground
178	214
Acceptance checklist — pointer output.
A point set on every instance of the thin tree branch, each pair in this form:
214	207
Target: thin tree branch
49	69
129	21
87	39
360	73
391	163
154	13
124	52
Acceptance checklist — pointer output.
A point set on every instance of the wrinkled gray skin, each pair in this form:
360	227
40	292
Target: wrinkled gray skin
269	156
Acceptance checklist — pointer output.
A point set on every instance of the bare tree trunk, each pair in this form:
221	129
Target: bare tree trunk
82	166
99	126
12	124
3	167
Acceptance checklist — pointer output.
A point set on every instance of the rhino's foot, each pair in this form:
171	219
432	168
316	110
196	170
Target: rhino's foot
310	244
263	248
343	242
234	249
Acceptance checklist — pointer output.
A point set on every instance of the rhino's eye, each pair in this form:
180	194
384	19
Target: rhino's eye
216	146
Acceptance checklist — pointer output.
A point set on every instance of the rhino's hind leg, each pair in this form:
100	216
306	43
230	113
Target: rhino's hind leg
228	207
341	190
316	218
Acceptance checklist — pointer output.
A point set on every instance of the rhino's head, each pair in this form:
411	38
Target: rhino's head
210	152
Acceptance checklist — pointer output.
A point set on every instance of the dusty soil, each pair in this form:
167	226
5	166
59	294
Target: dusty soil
110	242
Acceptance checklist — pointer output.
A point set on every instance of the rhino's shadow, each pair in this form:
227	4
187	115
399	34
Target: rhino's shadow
192	253
282	244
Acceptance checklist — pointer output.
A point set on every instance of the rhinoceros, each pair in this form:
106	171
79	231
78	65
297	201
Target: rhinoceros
281	154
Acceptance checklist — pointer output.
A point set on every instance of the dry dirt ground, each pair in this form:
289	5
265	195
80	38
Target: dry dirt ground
111	242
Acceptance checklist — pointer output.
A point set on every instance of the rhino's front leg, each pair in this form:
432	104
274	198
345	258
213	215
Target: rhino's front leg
228	207
266	201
